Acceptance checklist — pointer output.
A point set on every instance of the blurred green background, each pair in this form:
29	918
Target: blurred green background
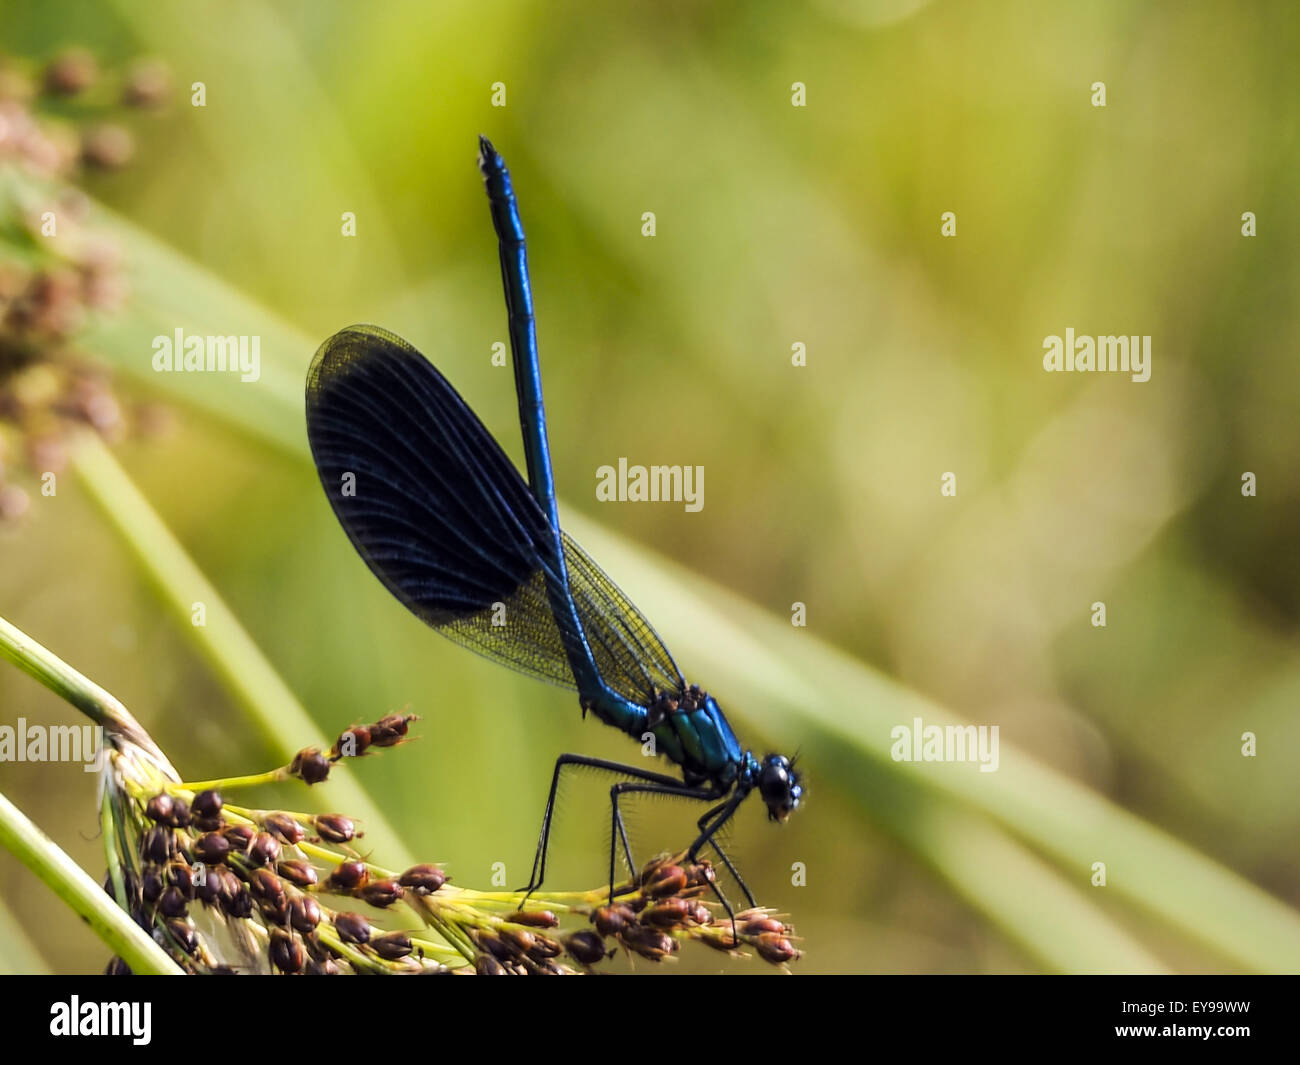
775	225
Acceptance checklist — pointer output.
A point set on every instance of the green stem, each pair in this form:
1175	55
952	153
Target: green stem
361	962
101	707
439	951
273	776
451	932
108	830
70	883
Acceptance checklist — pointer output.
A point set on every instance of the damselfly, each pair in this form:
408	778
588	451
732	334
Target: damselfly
444	520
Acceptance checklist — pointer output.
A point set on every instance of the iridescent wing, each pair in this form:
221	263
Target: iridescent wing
442	517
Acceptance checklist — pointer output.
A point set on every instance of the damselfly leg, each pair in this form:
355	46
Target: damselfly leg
645	782
581	761
721	814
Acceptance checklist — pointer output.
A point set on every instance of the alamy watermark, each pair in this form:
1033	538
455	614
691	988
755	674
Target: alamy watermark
133	1020
651	484
53	743
216	354
1085	354
920	742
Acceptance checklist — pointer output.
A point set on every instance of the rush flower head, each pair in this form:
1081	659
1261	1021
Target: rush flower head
231	888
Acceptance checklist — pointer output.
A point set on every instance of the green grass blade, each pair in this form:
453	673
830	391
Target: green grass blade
70	883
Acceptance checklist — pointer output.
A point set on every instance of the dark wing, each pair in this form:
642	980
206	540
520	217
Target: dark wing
442	517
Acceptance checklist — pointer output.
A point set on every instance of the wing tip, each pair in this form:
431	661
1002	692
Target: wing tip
340	345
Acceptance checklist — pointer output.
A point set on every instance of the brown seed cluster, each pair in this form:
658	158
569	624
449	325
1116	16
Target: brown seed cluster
669	906
226	888
299	891
311	765
650	917
197	866
56	272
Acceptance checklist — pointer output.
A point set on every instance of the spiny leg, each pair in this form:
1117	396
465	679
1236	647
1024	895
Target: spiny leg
583	762
723	812
726	861
713	882
721	815
735	874
619	831
539	858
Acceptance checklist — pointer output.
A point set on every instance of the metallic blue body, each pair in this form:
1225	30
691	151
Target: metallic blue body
532	420
702	743
701	740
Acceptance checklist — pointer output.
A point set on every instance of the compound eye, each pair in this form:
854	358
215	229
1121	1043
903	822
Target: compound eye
774	782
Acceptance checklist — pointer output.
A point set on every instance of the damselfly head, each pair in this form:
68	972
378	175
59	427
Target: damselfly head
779	785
